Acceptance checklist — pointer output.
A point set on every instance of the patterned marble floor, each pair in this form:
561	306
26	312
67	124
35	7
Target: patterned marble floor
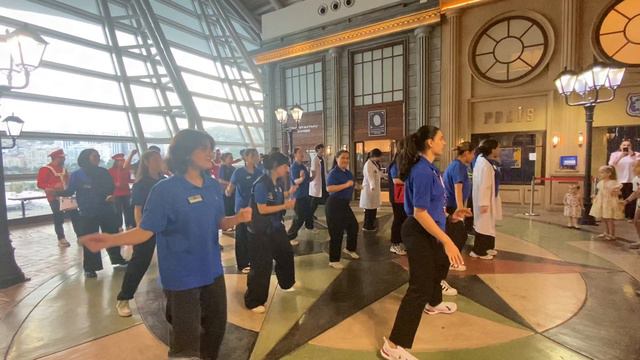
551	293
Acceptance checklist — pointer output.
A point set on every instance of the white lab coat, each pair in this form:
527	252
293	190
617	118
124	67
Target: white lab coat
315	186
370	195
484	194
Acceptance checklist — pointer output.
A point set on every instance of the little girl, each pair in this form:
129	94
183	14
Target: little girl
606	204
633	196
573	206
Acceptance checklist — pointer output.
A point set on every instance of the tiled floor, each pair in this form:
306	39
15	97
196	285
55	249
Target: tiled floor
551	293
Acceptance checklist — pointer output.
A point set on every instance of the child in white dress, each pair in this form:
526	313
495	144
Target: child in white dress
573	206
607	206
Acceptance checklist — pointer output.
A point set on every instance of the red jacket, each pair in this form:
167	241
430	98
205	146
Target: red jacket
52	180
121	179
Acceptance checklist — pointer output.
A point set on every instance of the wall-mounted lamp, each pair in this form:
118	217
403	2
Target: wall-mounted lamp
344	147
555	140
329	150
580	138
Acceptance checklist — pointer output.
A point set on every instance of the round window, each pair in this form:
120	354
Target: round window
618	32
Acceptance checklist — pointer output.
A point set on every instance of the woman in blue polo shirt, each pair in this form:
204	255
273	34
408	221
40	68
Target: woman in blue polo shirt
241	182
396	198
300	177
267	236
185	213
424	236
340	217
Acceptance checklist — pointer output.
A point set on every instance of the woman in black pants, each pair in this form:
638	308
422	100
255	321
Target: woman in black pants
93	187
149	173
396	198
340	217
268	239
424	236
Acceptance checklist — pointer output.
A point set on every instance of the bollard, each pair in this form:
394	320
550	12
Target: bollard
533	191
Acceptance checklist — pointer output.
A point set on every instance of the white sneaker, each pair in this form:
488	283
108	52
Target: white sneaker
492	252
246	270
354	255
398	353
336	265
259	309
444	307
454	267
485	257
123	308
63	243
294	242
398	249
448	289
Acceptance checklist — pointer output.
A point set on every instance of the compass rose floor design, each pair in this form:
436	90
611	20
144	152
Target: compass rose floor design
551	293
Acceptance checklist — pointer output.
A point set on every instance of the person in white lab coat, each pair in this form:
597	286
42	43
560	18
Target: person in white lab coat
487	206
370	195
318	183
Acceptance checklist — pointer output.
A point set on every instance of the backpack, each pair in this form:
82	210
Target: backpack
261	224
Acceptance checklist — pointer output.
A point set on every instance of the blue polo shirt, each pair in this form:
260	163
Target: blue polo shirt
243	181
91	194
262	195
303	188
338	176
393	174
424	189
185	220
457	173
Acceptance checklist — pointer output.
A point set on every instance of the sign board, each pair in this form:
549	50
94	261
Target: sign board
377	123
633	105
569	162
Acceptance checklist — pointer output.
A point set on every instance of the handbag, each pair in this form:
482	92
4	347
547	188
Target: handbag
398	193
67	203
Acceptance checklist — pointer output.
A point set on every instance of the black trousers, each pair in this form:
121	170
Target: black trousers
92	224
482	243
630	208
242	246
315	202
123	206
264	249
426	267
456	230
198	319
370	219
399	216
138	265
303	216
229	205
59	216
340	218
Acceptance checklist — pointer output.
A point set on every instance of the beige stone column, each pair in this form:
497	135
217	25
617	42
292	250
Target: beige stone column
334	63
422	81
450	117
569	33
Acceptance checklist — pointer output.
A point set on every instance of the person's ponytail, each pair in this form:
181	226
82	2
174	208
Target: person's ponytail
414	145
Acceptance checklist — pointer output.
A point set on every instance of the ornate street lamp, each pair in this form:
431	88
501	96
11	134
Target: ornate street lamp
595	85
21	52
283	117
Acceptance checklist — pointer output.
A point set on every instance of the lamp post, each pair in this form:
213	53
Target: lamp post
21	52
595	85
283	117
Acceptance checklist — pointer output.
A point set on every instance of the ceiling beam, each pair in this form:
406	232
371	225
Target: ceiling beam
276	4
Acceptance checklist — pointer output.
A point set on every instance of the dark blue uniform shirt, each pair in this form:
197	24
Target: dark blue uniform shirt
457	173
338	176
303	188
243	181
424	189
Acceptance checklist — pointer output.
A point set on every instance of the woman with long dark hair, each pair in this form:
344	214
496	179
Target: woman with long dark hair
370	194
93	188
185	213
149	173
429	248
487	206
396	198
340	217
268	241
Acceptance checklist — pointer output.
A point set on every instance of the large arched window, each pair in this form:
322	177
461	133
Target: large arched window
617	33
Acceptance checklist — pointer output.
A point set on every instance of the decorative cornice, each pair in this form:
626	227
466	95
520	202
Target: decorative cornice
368	32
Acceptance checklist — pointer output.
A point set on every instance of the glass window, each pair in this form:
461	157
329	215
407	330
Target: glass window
213	108
154	126
378	75
224	132
67	53
303	86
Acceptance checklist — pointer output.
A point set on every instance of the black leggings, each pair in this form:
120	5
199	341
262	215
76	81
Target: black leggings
242	246
198	319
138	265
264	249
456	230
303	216
482	243
370	219
92	224
399	216
123	207
340	218
630	208
427	266
58	219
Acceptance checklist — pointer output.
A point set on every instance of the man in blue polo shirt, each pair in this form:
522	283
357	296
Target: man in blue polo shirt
301	177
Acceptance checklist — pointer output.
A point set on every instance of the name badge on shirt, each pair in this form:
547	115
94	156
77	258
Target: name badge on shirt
194	199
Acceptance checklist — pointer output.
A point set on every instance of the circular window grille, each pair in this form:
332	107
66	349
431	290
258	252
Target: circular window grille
510	50
618	32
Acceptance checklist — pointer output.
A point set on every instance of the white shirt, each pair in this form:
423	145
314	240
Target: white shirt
315	186
624	167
